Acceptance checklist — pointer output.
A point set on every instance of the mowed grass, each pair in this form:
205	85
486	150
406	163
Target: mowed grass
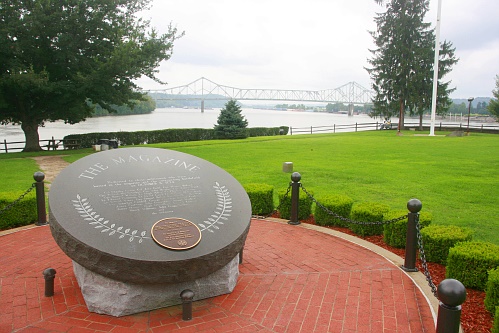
456	178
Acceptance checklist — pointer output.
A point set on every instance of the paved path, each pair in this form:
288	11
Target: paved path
293	279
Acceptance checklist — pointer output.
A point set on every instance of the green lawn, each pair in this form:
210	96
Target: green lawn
456	178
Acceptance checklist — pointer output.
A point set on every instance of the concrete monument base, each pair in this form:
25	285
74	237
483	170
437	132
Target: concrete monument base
116	298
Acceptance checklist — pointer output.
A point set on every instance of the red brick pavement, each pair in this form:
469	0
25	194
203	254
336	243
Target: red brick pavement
292	280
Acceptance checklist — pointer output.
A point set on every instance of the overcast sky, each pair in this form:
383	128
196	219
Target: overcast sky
311	45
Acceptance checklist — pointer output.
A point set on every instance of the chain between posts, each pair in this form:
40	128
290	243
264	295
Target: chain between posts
344	219
422	256
12	204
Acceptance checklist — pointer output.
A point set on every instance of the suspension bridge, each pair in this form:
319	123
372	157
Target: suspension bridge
204	89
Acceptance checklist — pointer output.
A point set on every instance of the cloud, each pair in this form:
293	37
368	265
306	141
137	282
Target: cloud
312	45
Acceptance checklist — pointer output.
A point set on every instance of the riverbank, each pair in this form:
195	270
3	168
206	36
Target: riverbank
193	118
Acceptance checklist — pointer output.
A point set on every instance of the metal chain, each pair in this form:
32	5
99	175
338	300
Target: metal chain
260	217
344	219
422	256
6	208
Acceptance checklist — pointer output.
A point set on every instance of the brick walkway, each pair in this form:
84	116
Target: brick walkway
292	280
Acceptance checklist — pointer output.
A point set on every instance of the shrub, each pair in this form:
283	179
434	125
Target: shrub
161	136
492	291
368	212
304	205
395	233
337	203
261	197
438	239
142	137
265	131
22	213
469	262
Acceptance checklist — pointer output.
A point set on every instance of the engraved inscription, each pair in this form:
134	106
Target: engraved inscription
176	233
155	195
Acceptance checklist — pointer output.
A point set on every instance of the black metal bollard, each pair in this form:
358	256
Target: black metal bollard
187	296
411	243
40	198
49	276
451	294
295	195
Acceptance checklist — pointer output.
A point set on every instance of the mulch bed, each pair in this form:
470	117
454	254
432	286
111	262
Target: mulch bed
474	317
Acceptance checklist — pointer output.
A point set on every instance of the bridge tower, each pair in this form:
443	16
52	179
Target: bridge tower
202	105
350	109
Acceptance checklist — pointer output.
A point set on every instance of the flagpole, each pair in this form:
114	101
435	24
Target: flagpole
435	70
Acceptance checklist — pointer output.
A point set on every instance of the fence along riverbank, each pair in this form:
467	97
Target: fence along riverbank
62	144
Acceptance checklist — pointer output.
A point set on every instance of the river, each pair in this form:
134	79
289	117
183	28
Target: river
188	118
182	118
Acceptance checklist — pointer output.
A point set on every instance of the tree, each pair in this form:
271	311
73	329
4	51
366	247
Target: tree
60	58
231	124
402	63
335	107
493	106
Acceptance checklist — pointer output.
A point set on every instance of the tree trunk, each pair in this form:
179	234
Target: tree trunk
420	121
401	116
30	129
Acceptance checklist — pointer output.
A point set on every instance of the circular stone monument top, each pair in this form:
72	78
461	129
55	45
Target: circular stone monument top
147	215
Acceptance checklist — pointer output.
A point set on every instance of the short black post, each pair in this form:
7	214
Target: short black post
40	198
49	276
411	242
451	294
295	195
187	296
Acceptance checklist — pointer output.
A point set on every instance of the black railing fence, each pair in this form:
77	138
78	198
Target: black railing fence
61	144
480	128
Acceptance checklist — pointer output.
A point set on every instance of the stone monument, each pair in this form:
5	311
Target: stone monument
143	224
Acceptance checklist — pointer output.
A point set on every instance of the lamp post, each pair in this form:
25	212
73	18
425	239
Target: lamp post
469	112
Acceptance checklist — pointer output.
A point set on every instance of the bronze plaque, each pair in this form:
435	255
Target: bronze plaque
176	234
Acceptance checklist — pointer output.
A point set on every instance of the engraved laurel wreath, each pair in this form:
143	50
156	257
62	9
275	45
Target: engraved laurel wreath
87	212
220	214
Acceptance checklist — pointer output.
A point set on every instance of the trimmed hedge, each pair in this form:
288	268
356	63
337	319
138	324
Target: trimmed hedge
395	233
469	262
261	197
368	212
438	239
22	213
166	135
304	205
337	203
492	291
495	326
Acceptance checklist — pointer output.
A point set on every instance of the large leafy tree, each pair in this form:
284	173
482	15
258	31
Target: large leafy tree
60	58
493	106
231	124
402	63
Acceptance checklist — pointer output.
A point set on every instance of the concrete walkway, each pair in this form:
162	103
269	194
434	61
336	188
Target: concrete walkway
293	279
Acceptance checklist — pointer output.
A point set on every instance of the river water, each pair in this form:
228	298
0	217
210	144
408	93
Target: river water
182	118
187	118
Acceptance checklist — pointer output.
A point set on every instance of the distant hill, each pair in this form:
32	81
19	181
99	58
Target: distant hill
474	103
166	101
